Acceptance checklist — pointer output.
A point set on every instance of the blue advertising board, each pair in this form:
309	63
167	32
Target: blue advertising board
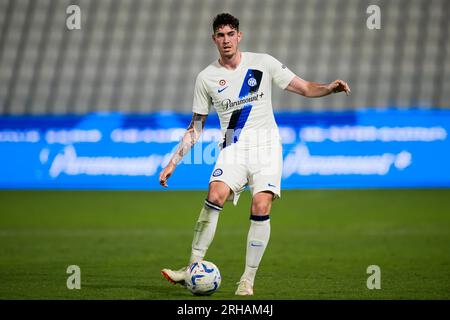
353	149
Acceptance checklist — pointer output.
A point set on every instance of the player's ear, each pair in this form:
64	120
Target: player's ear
239	36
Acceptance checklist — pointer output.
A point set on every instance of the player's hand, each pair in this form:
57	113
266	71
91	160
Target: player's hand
165	174
339	86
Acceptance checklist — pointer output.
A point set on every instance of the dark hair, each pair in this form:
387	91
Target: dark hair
225	19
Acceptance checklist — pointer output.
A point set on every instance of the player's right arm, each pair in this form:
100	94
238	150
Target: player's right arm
190	137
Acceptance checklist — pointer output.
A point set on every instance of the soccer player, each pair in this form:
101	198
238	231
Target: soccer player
238	85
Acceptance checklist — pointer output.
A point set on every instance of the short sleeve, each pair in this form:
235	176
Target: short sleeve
280	74
202	101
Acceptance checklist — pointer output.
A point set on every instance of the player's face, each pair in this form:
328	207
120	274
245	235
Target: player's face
227	39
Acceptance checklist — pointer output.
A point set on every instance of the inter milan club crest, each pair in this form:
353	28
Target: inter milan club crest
222	82
217	172
252	82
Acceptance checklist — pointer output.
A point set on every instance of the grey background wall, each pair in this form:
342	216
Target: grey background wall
142	56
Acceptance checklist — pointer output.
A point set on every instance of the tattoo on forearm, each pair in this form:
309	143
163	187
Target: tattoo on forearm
191	136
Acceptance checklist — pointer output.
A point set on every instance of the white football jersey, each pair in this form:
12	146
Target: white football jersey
242	97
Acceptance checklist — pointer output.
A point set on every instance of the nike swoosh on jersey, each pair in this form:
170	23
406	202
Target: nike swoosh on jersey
220	90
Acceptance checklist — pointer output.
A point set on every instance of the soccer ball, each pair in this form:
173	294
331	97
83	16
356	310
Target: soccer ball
203	278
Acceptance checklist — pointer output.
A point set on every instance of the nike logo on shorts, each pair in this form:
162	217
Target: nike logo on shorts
271	185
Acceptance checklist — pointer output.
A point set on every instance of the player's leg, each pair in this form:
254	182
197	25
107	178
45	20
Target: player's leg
227	180
264	183
257	240
205	229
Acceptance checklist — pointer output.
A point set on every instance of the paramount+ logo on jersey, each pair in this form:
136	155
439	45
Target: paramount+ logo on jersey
231	104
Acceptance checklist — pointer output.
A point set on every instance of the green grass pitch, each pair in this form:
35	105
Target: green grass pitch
322	242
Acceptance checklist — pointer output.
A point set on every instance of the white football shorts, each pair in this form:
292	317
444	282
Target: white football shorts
259	168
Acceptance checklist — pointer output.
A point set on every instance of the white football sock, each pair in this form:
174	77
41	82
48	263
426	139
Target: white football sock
257	240
205	229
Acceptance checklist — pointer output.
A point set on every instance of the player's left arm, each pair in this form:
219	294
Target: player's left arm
314	90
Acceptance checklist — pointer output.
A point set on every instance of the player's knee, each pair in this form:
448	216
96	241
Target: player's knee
218	193
217	197
262	203
261	208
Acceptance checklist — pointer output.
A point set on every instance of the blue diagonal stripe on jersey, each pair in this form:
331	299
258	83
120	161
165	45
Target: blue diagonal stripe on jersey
239	117
245	89
243	116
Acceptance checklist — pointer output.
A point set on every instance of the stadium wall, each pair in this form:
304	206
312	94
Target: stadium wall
352	149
